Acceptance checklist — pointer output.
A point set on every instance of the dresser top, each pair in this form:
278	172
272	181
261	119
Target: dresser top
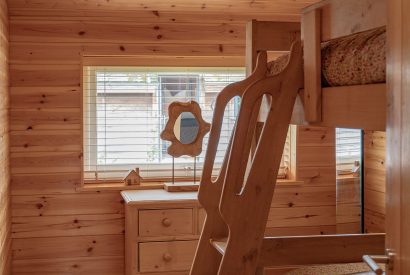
157	195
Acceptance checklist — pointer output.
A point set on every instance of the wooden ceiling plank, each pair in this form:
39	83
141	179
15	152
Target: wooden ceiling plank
280	6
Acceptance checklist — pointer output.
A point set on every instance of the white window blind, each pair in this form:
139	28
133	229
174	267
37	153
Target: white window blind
348	147
126	108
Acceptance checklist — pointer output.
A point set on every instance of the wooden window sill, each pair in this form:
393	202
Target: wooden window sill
92	187
116	186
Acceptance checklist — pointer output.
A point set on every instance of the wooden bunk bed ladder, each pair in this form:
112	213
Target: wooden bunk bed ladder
237	208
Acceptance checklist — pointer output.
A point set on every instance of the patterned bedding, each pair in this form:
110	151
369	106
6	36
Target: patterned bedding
353	60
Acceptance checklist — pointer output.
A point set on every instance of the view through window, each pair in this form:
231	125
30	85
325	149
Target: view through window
126	108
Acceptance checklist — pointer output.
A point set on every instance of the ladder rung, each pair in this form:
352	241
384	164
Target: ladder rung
220	245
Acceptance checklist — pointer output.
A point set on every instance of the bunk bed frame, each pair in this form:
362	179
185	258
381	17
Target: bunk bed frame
358	106
232	240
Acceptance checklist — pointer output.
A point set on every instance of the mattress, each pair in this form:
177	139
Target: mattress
352	60
334	269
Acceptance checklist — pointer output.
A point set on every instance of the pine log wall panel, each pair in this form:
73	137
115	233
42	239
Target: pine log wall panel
308	208
58	230
5	214
374	181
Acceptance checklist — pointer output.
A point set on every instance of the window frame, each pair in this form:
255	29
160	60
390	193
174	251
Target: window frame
89	102
122	62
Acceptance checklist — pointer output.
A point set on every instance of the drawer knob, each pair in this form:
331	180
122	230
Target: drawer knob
166	222
167	257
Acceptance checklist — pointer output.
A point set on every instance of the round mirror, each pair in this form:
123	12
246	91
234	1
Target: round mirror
186	128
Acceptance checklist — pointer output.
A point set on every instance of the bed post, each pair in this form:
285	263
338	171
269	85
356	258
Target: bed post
270	37
311	37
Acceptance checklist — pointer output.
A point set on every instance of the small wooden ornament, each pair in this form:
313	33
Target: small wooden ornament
133	177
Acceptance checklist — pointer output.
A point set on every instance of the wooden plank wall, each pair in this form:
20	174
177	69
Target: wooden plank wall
309	207
374	181
59	231
5	217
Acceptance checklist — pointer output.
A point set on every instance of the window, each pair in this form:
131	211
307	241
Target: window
348	149
126	108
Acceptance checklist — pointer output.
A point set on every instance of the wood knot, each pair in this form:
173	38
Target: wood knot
81	33
249	256
156	13
122	48
258	189
159	36
156	28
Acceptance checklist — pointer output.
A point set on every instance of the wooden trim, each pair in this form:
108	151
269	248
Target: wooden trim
164	61
359	106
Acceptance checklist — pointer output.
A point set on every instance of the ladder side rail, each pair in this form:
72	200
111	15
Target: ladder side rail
206	259
245	208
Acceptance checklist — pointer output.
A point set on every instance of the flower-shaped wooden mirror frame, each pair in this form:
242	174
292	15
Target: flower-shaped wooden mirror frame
177	148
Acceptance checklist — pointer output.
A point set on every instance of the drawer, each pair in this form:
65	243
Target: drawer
166	256
165	222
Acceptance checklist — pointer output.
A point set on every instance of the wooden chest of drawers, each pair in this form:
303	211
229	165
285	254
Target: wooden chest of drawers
161	231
